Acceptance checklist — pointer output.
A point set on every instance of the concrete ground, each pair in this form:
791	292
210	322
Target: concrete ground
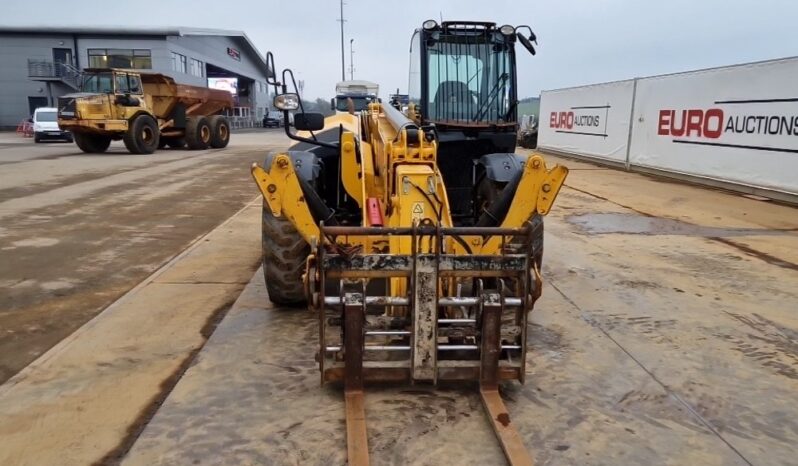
666	334
79	230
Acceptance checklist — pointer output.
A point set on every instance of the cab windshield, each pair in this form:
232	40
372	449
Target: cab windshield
99	83
469	79
360	102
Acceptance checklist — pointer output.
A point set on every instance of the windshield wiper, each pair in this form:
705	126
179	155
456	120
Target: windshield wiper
494	92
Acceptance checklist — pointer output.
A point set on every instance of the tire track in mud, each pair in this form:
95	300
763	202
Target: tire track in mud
104	184
774	346
675	396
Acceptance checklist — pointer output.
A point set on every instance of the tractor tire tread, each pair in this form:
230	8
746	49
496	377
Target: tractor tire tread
91	144
284	256
219	140
193	130
132	137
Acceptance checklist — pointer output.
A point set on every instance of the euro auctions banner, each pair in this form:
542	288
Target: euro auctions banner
588	120
737	124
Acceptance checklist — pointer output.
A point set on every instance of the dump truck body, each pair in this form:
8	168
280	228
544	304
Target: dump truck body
141	108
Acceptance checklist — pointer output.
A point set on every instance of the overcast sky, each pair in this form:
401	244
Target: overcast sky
580	41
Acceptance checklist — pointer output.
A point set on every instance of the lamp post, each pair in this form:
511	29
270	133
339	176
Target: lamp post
343	65
351	60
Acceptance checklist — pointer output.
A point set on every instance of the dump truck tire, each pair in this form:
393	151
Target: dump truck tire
198	133
220	131
284	256
92	144
142	136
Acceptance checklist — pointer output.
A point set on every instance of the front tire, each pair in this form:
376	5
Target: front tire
284	256
142	136
198	133
220	131
92	143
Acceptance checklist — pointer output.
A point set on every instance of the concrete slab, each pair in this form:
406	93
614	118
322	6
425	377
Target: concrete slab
84	400
80	230
665	346
253	397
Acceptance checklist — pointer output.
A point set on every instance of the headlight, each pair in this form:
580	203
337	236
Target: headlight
507	30
429	24
286	101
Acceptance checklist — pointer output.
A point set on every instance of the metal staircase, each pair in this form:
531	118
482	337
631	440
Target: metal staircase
49	71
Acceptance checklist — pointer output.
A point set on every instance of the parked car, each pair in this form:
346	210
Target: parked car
45	125
272	120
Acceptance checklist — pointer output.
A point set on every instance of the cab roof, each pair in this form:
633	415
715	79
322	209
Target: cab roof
146	76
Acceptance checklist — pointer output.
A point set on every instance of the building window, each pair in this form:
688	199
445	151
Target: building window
140	59
179	63
197	68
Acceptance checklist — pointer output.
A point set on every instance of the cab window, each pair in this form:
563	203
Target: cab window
101	83
121	84
135	84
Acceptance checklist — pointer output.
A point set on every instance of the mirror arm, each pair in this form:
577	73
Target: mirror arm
288	72
313	141
271	78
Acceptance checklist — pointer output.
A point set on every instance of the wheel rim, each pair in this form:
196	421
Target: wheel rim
223	132
147	135
205	134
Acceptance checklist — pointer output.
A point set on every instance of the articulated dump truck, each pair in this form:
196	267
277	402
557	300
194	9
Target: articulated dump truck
416	239
147	111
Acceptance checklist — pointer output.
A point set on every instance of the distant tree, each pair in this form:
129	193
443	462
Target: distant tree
318	106
323	106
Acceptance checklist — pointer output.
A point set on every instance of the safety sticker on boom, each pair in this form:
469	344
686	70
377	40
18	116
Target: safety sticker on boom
418	211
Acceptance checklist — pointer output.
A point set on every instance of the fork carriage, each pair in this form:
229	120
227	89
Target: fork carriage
447	316
460	317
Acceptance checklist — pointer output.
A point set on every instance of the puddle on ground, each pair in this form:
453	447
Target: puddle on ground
636	224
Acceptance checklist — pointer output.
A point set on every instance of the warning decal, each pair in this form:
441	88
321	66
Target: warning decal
418	210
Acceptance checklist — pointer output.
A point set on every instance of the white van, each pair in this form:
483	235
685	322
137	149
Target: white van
45	125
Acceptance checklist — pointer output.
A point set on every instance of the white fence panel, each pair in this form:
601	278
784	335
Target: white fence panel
736	124
592	120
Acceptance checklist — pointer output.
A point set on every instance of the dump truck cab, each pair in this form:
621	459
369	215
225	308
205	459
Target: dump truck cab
107	100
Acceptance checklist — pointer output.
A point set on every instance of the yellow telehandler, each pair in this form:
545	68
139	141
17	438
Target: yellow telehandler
416	239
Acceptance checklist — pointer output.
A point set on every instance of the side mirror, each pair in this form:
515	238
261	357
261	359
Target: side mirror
332	104
526	43
308	121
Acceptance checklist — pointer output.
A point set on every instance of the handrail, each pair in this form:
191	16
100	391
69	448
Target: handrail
63	71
